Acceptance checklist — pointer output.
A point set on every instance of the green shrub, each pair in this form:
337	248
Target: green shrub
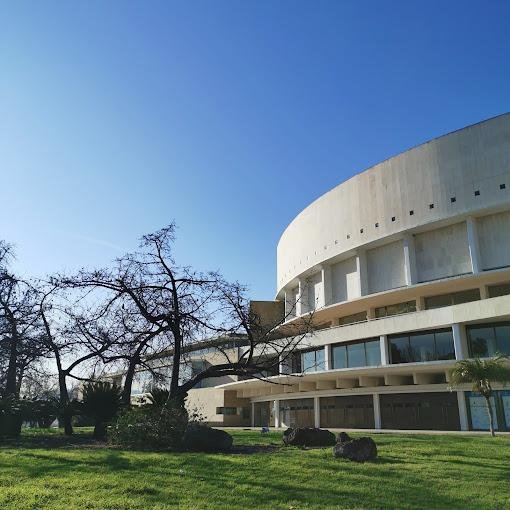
101	402
150	426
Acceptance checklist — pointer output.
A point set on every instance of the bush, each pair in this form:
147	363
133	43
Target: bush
101	402
150	426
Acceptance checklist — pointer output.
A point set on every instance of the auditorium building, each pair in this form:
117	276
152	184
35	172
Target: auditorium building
406	268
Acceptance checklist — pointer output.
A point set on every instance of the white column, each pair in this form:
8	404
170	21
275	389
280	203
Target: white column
276	411
253	414
409	260
473	245
316	412
460	341
327	289
464	423
361	269
385	355
377	411
327	357
302	300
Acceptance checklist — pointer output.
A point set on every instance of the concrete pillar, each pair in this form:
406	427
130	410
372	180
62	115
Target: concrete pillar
460	341
361	269
316	412
473	245
328	365
484	292
377	411
371	314
276	410
253	414
385	354
463	415
302	300
409	260
327	286
420	303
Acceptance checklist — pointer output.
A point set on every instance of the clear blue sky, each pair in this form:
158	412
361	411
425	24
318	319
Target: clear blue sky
229	117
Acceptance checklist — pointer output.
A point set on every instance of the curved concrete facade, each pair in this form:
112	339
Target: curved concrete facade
440	182
406	268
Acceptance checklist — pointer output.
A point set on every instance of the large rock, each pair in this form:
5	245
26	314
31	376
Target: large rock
308	437
343	437
358	450
201	438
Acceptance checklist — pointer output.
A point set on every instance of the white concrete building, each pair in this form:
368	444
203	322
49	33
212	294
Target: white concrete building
407	268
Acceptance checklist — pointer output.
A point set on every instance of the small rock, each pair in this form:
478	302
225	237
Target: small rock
358	450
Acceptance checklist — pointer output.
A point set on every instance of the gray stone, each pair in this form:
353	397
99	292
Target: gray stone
308	436
358	450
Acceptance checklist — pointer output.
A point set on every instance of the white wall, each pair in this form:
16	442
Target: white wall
494	240
315	291
386	267
344	280
442	252
476	158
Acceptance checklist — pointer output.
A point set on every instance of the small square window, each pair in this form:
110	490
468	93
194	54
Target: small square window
477	193
361	231
336	241
348	236
411	213
431	206
376	225
453	199
502	186
393	218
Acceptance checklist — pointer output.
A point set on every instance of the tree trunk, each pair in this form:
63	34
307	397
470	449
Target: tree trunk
128	382
67	414
489	410
10	382
99	430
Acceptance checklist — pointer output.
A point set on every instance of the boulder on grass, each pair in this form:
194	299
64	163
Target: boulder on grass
305	436
201	438
343	437
358	450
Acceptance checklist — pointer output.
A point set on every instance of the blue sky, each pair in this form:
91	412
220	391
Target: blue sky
229	117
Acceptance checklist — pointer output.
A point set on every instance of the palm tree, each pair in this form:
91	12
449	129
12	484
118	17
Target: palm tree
481	373
101	402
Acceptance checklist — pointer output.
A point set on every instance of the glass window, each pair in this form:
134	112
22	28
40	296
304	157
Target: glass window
444	345
466	296
499	290
422	347
319	360
340	356
399	308
352	319
503	338
438	301
399	350
373	350
308	361
356	355
456	298
482	341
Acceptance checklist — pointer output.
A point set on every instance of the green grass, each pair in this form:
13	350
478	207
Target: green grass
414	471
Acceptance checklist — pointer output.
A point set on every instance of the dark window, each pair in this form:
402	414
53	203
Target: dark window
453	199
431	206
361	231
226	411
455	298
502	186
357	354
352	319
489	339
376	225
499	290
477	193
348	236
396	309
411	213
393	218
422	346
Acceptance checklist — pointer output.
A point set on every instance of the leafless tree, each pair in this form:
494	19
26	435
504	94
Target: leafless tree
169	307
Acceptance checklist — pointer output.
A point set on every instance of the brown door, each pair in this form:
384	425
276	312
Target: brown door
347	412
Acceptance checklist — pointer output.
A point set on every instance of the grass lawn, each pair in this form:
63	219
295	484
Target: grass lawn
414	471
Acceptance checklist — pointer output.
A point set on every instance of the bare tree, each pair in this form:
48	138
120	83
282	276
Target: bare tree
170	307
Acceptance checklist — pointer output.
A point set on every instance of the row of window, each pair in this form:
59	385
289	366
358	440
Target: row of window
431	302
453	199
484	340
